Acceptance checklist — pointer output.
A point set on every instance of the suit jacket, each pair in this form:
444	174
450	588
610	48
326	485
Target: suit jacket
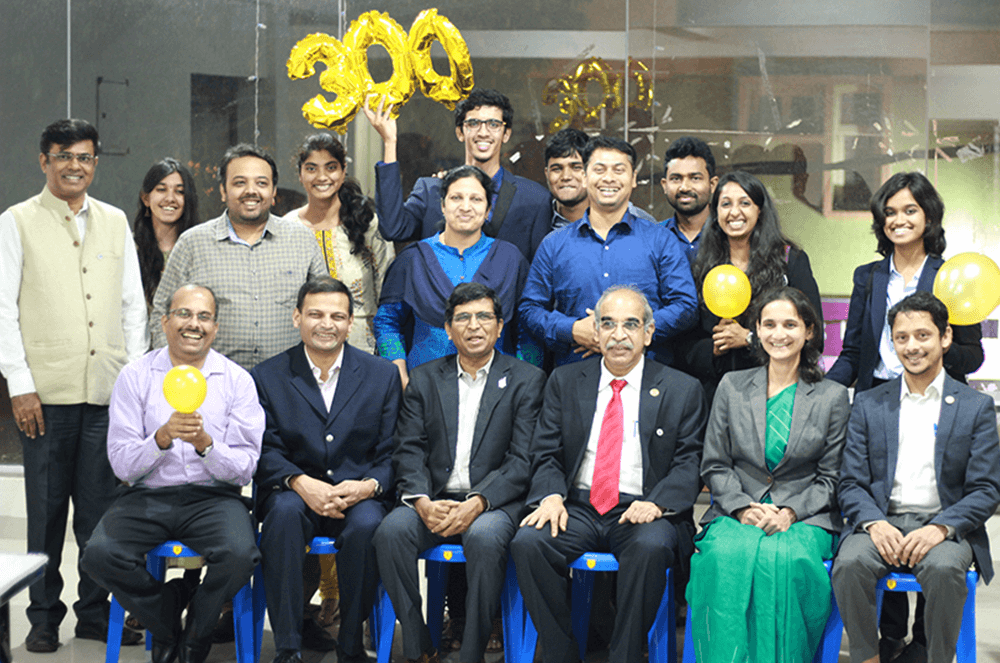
427	431
966	462
866	319
527	221
351	441
672	415
805	479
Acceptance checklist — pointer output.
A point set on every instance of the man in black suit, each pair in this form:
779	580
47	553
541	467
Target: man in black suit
462	467
331	411
616	454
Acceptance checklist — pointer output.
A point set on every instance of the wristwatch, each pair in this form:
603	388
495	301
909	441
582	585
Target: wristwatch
749	338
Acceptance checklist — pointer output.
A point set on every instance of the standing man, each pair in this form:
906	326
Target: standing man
920	477
616	456
689	181
566	177
462	467
607	246
72	313
254	261
519	213
327	458
184	474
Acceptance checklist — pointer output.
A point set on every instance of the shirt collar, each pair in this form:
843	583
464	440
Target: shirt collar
230	231
633	378
485	370
627	219
214	362
483	239
53	201
317	371
497	180
893	270
934	390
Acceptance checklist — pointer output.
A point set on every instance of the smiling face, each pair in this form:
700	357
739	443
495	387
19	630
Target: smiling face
904	219
737	212
919	344
321	175
620	331
68	180
324	322
566	177
473	336
483	144
687	185
191	325
464	207
166	200
782	332
248	191
610	179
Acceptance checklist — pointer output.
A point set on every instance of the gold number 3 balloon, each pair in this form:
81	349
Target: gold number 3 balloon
347	74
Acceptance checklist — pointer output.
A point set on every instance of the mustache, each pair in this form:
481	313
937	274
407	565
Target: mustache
628	345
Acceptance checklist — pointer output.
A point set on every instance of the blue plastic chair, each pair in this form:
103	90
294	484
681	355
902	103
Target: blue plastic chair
829	647
157	567
662	636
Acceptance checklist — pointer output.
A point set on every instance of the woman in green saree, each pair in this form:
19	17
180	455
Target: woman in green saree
758	589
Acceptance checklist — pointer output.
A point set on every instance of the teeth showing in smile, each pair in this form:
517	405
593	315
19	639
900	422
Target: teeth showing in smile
192	335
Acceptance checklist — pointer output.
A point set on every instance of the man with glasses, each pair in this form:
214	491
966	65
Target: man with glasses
183	475
520	212
72	313
462	466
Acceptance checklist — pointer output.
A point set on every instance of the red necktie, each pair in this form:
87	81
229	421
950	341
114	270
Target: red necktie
607	464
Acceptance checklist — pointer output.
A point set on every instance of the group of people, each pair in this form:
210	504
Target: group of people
534	374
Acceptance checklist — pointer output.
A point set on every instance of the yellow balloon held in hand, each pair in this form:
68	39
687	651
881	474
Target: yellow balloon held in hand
726	291
969	285
185	388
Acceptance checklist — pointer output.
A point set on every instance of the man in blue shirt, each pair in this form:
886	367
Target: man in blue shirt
608	246
688	181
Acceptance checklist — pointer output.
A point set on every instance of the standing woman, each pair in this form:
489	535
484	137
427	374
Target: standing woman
346	228
773	446
743	231
906	220
168	205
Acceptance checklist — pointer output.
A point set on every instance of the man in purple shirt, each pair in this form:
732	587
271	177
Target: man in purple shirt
182	476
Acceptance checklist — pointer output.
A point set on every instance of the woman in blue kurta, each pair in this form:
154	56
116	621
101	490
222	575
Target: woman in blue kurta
409	326
773	446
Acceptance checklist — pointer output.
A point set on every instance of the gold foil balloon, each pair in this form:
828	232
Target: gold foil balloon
594	69
426	28
379	28
639	73
338	78
185	388
969	285
726	291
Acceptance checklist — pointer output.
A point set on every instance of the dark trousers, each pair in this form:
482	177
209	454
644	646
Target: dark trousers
69	462
214	522
644	553
288	526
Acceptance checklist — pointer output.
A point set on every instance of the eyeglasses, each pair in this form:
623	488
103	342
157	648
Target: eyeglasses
68	157
483	317
630	325
187	314
492	125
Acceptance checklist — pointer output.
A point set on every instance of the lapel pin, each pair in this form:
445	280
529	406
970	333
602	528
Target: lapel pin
659	432
654	392
949	399
502	383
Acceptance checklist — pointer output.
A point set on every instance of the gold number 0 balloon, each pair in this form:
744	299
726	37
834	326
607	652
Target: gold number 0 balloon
426	28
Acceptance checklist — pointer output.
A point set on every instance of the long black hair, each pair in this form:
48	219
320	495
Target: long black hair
356	209
809	369
146	246
768	245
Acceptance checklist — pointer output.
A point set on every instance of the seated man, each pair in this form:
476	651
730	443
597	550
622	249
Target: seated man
462	467
331	411
616	454
183	474
920	477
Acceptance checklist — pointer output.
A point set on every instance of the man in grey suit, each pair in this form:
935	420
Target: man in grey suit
462	466
920	477
616	453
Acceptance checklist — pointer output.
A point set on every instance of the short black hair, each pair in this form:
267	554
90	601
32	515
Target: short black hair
565	143
68	132
919	301
461	172
246	150
192	286
689	146
608	143
320	284
485	97
930	202
471	292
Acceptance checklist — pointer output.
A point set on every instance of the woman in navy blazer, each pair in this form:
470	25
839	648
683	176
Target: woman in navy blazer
907	213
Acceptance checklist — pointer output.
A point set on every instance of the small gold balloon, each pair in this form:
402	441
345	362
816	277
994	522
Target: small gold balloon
185	388
726	291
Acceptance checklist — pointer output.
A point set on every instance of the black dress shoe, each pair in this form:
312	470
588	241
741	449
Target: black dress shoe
315	637
344	657
163	651
42	638
99	631
889	648
913	653
288	656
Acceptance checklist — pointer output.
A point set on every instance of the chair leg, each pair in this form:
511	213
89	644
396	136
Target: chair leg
437	582
116	623
243	625
582	593
966	650
157	567
259	599
384	615
663	634
519	634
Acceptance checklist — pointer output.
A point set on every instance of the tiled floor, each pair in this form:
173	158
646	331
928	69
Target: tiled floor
12	528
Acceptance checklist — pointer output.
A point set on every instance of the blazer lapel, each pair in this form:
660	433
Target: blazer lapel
945	422
305	382
347	383
758	412
650	399
880	284
447	385
931	267
492	394
891	437
805	399
582	401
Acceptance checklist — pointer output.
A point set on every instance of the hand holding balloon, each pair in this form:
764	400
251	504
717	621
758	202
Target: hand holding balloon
969	285
186	427
728	335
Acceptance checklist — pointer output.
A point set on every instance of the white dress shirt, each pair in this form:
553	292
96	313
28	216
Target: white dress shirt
470	395
914	487
327	388
630	476
889	367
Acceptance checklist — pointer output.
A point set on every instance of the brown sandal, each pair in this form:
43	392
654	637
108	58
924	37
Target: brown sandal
495	644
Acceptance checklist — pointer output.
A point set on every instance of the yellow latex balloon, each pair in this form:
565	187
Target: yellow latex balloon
428	27
185	388
969	285
376	27
726	291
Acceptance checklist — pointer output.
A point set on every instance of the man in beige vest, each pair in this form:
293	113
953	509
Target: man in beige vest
72	313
